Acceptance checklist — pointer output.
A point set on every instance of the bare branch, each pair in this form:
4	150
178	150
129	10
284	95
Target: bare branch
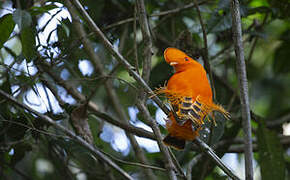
135	40
190	165
163	13
92	106
176	163
256	38
167	158
218	161
243	85
148	50
134	164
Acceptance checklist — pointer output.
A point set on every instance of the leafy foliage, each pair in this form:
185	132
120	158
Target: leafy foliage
6	28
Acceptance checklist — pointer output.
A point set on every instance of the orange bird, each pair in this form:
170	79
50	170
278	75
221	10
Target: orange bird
189	93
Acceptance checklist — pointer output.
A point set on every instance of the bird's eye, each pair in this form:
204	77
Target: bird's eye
186	59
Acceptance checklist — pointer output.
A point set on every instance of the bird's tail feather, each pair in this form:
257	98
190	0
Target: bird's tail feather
175	142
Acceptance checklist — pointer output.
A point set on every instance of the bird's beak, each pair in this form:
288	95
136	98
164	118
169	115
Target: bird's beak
173	63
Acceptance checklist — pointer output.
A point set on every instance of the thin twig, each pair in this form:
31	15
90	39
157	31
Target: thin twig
237	145
243	85
91	148
252	49
93	107
148	49
53	91
190	166
135	41
134	163
241	148
176	163
32	128
256	39
127	127
163	13
218	161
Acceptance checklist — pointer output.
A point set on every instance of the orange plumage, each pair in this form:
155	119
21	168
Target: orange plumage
178	134
189	93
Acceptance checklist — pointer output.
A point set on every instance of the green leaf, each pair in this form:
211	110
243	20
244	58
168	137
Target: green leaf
6	28
22	18
28	43
95	128
270	154
65	28
6	87
40	10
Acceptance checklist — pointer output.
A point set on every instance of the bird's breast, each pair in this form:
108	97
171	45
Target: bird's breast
191	83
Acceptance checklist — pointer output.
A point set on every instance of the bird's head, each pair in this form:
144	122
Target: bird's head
178	59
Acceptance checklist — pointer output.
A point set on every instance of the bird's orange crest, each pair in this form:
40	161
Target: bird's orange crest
176	57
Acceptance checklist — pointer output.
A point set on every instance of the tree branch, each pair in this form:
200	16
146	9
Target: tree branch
167	158
218	161
148	50
163	13
190	165
243	84
135	40
92	106
69	133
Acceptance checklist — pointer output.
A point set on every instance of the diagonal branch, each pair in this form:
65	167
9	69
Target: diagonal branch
69	133
147	39
243	85
167	158
218	161
92	106
190	165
